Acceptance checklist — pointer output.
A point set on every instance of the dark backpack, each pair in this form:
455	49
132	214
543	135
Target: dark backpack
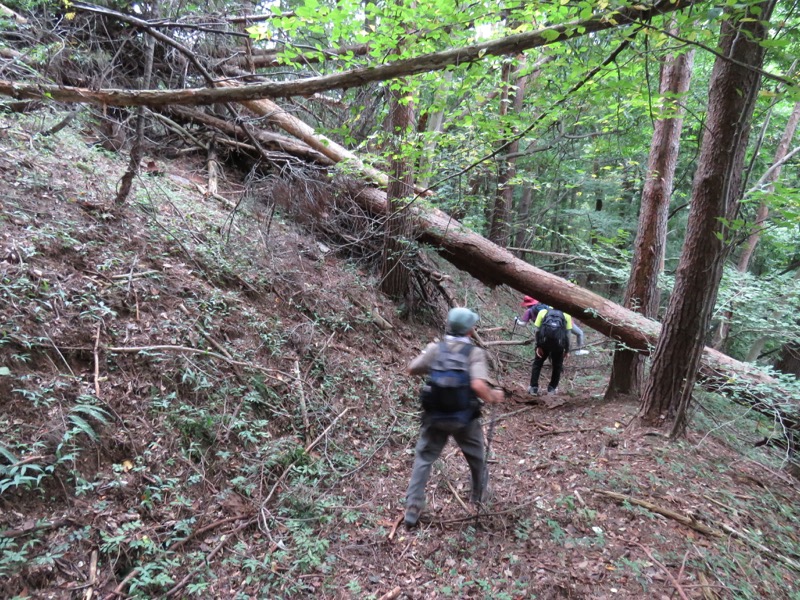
553	331
447	396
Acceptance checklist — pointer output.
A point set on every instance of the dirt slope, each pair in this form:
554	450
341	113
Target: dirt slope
194	405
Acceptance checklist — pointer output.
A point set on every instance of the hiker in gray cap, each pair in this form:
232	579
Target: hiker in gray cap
457	377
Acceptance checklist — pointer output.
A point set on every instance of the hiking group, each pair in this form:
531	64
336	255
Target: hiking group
458	378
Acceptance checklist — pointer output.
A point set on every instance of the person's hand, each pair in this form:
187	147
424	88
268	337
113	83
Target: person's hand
539	352
517	321
498	395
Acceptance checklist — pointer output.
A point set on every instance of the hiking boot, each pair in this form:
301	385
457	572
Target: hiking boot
412	516
533	391
551	391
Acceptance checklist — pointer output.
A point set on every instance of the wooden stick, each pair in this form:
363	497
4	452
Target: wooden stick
189	350
133	275
225	537
13	533
760	547
688	521
321	435
97	362
391	595
705	585
395	525
4	10
456	496
560	431
213	166
87	595
674	581
203	530
301	394
512	413
118	590
306	451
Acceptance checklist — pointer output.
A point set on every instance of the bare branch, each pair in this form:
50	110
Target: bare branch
436	61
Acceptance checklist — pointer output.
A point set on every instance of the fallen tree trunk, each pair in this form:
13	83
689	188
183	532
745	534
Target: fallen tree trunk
494	265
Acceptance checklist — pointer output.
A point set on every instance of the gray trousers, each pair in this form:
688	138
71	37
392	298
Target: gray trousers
430	445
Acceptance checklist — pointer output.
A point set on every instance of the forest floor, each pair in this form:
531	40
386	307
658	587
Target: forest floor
194	404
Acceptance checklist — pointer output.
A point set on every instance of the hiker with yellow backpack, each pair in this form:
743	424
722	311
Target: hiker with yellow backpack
552	340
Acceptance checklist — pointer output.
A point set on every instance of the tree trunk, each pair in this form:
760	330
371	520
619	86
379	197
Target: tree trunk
523	218
395	274
641	294
789	362
433	129
732	94
498	224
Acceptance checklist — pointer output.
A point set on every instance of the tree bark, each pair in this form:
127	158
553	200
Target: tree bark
137	151
513	97
641	294
395	273
733	90
436	61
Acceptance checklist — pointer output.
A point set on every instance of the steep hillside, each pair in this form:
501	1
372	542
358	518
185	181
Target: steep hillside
200	403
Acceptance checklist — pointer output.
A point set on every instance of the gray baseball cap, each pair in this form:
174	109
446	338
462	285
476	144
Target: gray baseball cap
461	320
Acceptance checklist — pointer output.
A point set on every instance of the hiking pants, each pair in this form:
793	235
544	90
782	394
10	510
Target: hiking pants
430	445
556	354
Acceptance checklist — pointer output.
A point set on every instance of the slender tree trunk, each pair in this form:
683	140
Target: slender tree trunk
766	184
498	225
734	85
138	143
395	274
641	294
523	218
434	126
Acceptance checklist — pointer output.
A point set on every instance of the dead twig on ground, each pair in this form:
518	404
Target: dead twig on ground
455	495
395	525
207	528
190	350
87	595
391	594
527	342
14	533
676	584
562	431
97	361
485	514
225	538
301	395
118	590
760	547
666	512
